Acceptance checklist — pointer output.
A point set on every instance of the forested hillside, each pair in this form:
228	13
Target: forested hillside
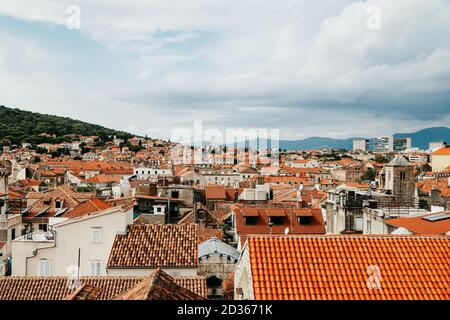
19	126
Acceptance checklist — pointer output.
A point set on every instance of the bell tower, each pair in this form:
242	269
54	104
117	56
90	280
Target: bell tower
400	181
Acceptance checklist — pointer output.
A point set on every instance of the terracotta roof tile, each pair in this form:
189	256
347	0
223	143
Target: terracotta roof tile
149	245
215	192
421	226
158	286
55	288
316	225
444	151
88	207
350	267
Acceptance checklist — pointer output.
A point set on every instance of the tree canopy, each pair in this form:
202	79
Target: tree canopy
18	126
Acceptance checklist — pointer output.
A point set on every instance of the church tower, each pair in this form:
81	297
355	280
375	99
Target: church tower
400	181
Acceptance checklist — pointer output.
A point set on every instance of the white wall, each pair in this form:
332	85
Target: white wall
243	277
70	236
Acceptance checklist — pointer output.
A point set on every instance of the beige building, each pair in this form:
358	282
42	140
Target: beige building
440	159
56	252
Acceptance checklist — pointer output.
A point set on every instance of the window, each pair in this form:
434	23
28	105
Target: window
95	268
304	220
59	204
369	226
44	267
277	221
402	176
13	233
250	221
43	227
96	235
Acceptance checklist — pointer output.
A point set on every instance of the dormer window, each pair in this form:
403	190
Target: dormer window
59	204
304	220
250	221
276	216
250	216
277	221
304	216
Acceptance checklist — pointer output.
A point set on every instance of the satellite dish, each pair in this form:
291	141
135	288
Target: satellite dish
286	231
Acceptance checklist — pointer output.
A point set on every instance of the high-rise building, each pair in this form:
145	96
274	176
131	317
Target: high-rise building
402	144
360	144
383	144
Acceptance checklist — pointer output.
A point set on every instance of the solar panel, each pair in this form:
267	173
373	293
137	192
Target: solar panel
437	217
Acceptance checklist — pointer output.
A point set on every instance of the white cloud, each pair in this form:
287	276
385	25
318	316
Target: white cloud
313	69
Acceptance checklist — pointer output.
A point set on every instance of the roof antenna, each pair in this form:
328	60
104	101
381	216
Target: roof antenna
78	275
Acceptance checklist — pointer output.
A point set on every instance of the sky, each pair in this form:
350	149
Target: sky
332	68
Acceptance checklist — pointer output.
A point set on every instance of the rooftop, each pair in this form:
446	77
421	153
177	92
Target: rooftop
55	288
350	267
422	225
152	246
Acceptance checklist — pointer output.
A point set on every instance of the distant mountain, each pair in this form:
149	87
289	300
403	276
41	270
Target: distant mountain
316	143
420	139
24	126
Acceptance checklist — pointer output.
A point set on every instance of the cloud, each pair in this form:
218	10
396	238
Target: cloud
308	68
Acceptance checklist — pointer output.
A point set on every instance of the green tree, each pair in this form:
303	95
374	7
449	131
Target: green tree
369	175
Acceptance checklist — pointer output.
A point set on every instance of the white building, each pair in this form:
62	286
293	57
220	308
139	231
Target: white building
374	219
144	173
435	145
302	163
56	252
259	193
383	144
360	144
225	177
402	144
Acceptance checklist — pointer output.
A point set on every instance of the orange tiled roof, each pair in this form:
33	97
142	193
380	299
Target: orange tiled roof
215	192
151	246
55	288
444	151
421	226
101	178
426	186
261	226
88	207
158	286
343	267
47	201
